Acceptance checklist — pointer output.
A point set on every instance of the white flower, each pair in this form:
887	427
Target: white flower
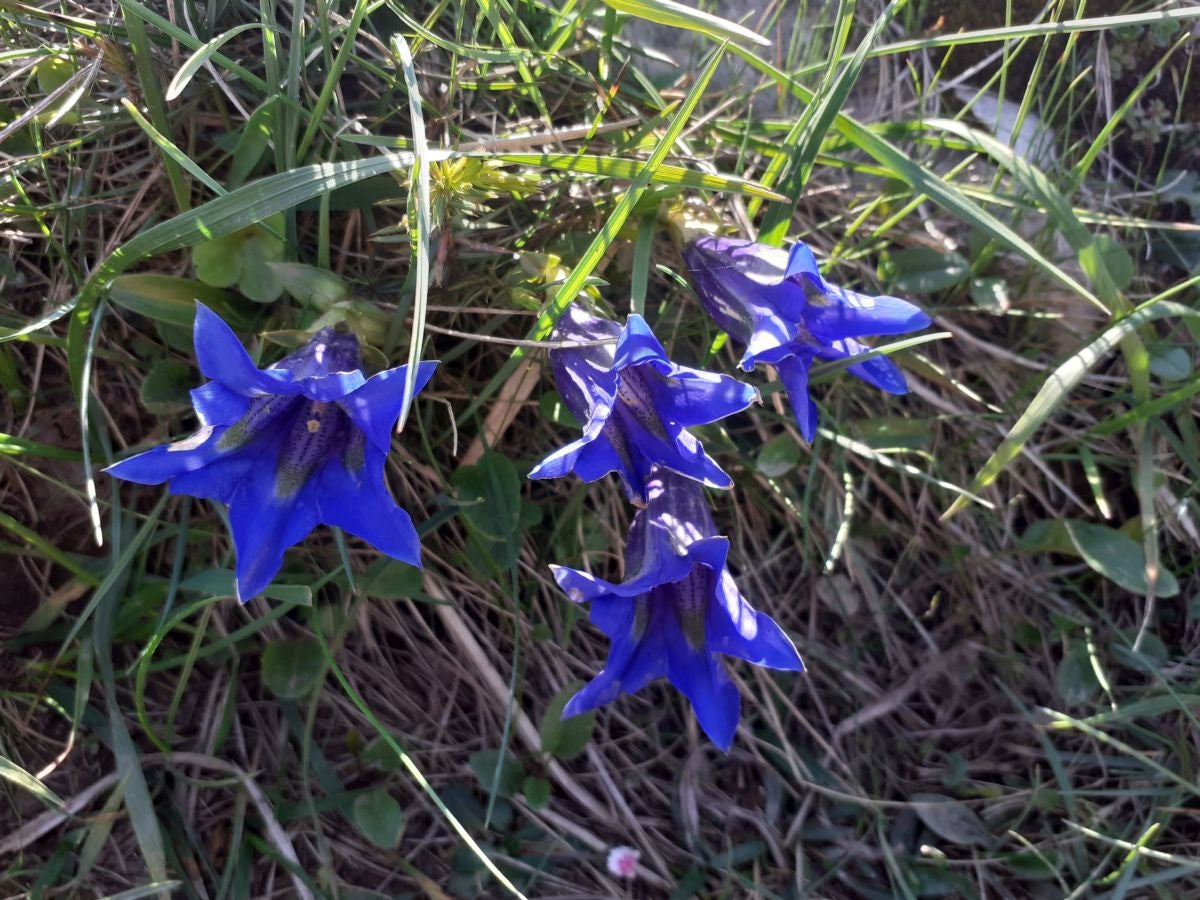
623	861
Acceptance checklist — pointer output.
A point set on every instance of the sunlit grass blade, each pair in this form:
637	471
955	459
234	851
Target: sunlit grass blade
1058	386
616	167
14	774
679	15
920	179
420	204
193	63
591	257
807	135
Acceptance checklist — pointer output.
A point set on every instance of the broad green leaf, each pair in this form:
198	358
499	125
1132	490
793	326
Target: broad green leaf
1076	678
536	790
778	456
1170	363
565	738
292	668
193	63
378	817
1117	557
310	284
678	15
1058	387
172	300
951	820
923	270
221	583
991	294
389	579
490	492
484	763
164	390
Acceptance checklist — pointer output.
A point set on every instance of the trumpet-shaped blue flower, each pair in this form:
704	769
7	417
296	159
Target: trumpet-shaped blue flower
636	405
787	315
676	611
288	447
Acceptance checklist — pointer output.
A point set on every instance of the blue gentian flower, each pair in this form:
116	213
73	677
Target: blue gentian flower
787	315
676	611
636	405
299	443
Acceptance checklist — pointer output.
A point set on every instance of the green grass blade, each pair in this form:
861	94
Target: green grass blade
194	62
678	15
421	203
920	179
332	77
810	130
1059	385
591	257
14	774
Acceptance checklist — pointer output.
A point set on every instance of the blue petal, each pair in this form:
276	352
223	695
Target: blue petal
878	371
594	454
360	503
702	679
166	461
222	358
793	372
264	526
582	586
216	404
694	397
846	314
734	626
375	406
220	479
681	453
638	345
325	388
802	268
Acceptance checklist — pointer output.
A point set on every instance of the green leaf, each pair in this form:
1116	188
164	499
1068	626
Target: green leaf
923	270
171	300
193	63
512	774
217	262
991	294
1170	363
292	668
1030	866
565	738
778	456
165	388
1117	557
951	820
490	492
310	284
1117	261
378	817
1076	679
389	579
537	791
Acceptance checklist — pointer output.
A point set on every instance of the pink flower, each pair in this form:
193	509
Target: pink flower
623	861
